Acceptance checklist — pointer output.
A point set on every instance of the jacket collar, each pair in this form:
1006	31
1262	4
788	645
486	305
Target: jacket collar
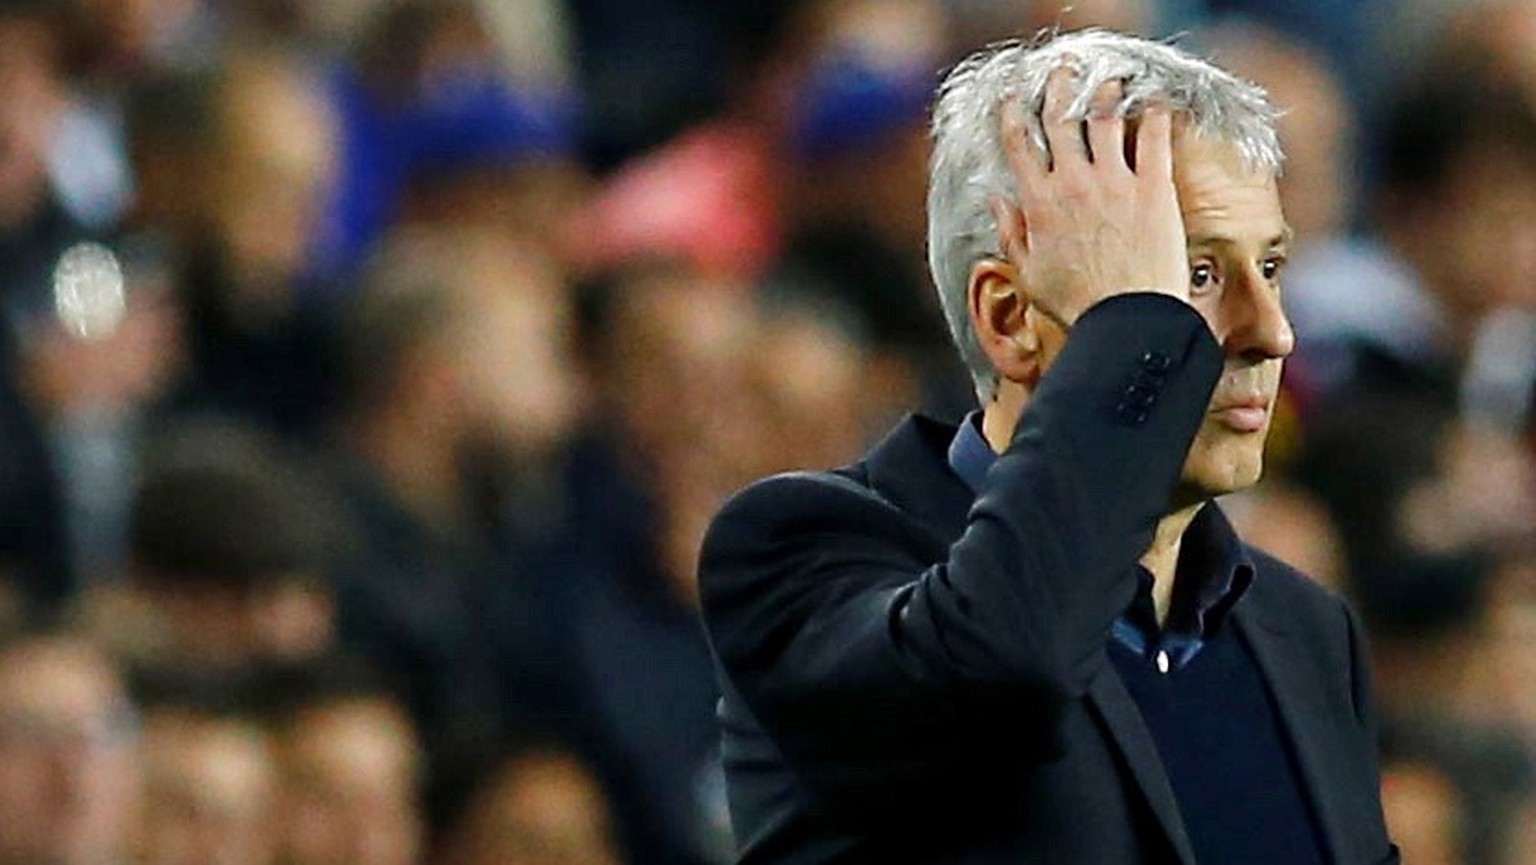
909	469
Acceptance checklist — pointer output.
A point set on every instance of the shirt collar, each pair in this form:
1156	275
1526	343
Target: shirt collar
969	454
1211	552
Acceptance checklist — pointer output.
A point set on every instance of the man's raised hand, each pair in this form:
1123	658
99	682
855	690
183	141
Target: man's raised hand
1090	223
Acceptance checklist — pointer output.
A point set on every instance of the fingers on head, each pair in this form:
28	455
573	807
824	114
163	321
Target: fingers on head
1024	157
1106	125
1062	134
1154	143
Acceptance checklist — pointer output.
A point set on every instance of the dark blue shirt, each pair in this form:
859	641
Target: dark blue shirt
1214	570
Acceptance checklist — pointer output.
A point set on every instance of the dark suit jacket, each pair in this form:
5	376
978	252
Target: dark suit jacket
911	674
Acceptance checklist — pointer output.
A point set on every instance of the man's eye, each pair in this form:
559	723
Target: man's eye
1201	275
1271	267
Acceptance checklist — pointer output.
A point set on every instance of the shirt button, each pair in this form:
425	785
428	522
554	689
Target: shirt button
1162	661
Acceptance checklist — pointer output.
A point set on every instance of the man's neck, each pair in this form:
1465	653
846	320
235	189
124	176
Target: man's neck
1162	558
999	418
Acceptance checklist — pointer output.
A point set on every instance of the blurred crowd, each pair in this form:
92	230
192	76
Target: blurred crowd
371	369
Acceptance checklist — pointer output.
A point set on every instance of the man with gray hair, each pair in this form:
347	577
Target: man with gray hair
1035	638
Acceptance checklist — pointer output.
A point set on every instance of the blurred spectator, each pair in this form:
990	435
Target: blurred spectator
232	547
351	767
856	199
858	121
1455	792
35	223
1422	503
810	365
527	520
655	67
1512	634
678	428
1424	811
209	790
440	124
1292	525
116	39
1334	29
67	773
1427	615
532	806
96	352
47	191
262	142
713	195
1458	187
458	394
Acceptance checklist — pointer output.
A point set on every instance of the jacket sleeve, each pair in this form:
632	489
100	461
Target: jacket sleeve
873	668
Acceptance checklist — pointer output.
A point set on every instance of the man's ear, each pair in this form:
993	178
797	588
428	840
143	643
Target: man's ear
999	308
1000	317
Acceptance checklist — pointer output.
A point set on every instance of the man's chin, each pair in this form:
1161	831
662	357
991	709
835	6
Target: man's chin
1204	483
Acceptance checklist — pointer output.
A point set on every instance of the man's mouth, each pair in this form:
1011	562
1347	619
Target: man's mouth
1244	415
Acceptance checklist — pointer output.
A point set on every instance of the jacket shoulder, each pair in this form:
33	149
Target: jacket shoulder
791	491
797	504
1293	589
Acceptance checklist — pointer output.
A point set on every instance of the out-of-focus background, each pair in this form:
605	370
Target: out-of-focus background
371	369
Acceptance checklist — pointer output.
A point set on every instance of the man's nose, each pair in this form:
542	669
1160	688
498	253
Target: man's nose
1256	326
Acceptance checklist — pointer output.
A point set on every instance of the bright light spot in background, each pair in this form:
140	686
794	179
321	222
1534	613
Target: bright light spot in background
88	291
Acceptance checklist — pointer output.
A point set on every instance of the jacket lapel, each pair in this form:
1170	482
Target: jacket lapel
1293	676
1108	696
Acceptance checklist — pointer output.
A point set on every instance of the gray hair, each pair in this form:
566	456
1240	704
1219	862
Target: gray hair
969	165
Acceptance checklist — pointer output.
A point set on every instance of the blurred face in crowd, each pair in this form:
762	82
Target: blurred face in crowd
1484	254
1292	525
531	197
539	810
1422	808
267	179
67	768
810	375
349	790
679	362
512	349
34	96
223	627
208	791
